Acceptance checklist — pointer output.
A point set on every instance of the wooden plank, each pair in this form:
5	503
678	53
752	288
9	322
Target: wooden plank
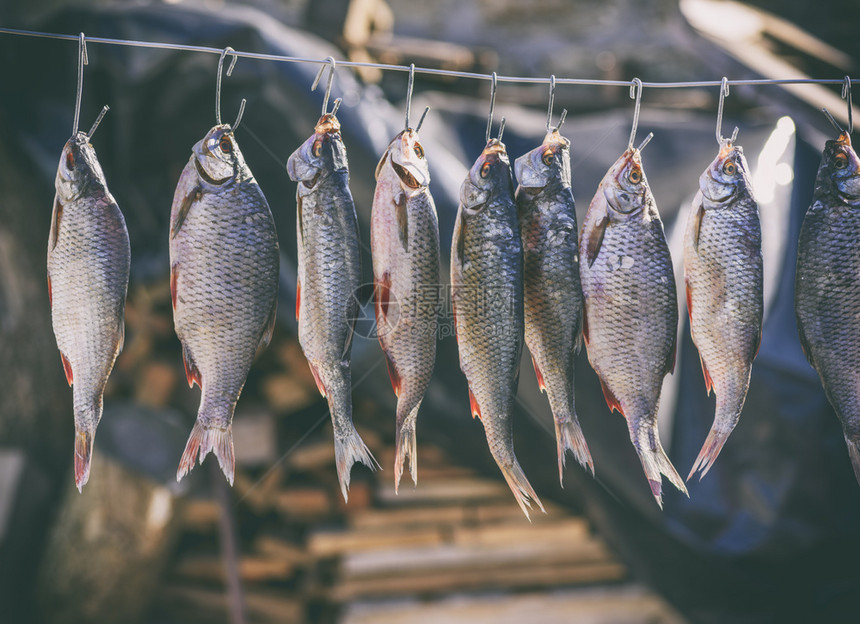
201	515
274	548
472	489
565	530
267	606
304	502
329	544
210	568
396	518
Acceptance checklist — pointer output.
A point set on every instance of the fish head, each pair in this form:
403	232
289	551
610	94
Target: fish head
217	157
407	159
625	187
79	168
842	167
549	161
491	170
727	174
321	155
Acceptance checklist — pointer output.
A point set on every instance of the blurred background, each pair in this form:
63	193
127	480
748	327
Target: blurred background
770	535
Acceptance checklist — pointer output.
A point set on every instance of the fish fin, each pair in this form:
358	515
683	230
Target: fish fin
461	241
50	292
473	405
121	343
669	366
317	379
611	401
405	446
56	218
204	440
689	303
382	298
804	344
347	451
67	368
298	298
595	240
520	486
584	326
300	221
709	382
174	273
569	437
655	462
187	201
393	374
710	450
192	373
540	381
854	454
696	226
83	456
402	216
381	164
266	338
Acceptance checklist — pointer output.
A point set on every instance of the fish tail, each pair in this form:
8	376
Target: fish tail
655	462
83	455
349	449
209	439
710	450
568	435
405	445
854	454
520	486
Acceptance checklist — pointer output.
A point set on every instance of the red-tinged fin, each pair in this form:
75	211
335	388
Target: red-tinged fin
192	373
585	325
174	273
83	456
540	381
473	405
205	440
611	401
56	218
655	462
187	201
382	297
317	379
298	298
569	437
402	215
405	447
689	303
67	367
393	374
50	292
347	451
520	486
697	226
710	450
709	382
595	240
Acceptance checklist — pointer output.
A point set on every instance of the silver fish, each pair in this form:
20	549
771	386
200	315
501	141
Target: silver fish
404	239
329	276
552	294
223	284
725	301
631	307
487	295
88	265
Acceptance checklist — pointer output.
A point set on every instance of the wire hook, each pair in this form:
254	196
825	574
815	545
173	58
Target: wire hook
331	64
224	53
82	60
724	93
846	95
409	93
635	94
493	85
551	101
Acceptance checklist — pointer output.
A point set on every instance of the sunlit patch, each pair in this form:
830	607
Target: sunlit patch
769	171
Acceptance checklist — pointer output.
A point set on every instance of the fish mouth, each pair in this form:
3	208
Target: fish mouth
309	184
407	178
202	173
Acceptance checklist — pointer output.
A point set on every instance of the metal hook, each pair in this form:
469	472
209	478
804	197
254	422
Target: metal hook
224	53
501	130
409	93
832	121
421	121
551	100
724	93
493	86
846	95
635	93
82	60
98	120
561	119
332	64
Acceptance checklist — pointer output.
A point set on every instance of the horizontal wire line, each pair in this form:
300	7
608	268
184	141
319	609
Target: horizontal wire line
420	70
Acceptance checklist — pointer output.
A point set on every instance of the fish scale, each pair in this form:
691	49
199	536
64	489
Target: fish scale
224	277
88	267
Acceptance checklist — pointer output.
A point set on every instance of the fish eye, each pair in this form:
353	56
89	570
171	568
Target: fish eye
548	157
841	161
317	149
70	160
635	176
225	144
485	170
419	151
730	168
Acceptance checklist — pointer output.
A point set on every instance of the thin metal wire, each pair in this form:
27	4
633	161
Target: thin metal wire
419	70
551	100
846	95
636	94
330	62
421	121
561	119
82	60
832	121
501	130
409	93
493	86
98	120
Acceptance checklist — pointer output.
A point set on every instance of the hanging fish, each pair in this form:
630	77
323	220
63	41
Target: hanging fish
827	285
223	285
404	239
487	295
631	307
723	274
329	276
552	294
88	265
